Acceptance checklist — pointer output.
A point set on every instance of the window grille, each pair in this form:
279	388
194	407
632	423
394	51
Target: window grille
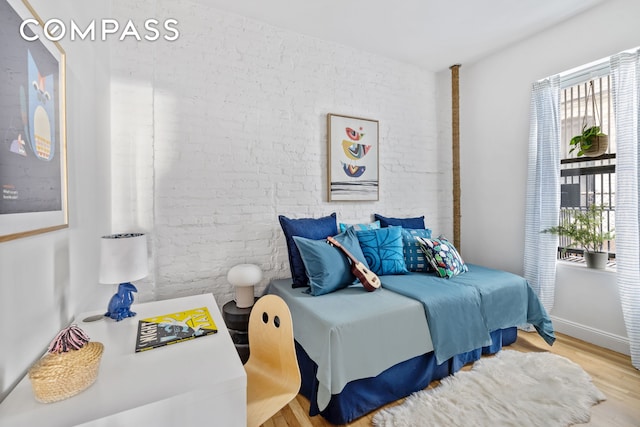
587	180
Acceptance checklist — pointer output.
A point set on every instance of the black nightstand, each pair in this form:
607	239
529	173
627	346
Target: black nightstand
237	321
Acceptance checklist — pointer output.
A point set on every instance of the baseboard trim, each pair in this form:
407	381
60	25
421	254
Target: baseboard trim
592	335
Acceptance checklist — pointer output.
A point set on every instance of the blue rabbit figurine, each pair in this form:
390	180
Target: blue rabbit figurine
120	303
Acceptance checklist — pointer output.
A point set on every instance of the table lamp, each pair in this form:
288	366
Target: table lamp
244	277
123	259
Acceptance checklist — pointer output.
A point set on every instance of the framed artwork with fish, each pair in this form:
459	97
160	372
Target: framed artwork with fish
352	147
33	164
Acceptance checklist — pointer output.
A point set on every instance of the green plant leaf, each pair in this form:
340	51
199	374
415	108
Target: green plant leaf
585	230
585	140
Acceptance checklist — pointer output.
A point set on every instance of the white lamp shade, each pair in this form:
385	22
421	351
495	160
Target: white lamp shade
244	277
123	258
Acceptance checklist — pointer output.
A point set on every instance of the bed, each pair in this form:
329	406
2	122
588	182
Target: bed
359	350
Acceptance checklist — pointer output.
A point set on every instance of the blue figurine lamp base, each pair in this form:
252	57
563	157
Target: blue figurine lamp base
120	303
123	259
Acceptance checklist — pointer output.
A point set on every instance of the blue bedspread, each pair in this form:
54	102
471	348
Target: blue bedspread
461	311
352	334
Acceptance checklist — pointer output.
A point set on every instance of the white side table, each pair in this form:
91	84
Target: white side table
196	382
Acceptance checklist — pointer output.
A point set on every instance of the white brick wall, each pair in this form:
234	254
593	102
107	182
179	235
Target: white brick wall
216	134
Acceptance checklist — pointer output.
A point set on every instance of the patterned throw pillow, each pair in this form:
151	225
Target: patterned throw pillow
442	256
359	227
382	249
413	254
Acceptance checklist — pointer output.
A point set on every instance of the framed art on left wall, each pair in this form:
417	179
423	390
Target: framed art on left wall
33	149
352	158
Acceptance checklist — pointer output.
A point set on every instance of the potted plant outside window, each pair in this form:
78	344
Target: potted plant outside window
592	142
585	231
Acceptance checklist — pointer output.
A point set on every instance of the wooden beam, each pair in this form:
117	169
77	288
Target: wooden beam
455	147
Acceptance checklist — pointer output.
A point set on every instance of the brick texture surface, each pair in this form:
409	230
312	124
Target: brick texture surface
217	133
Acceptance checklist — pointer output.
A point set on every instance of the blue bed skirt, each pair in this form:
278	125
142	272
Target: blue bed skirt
362	396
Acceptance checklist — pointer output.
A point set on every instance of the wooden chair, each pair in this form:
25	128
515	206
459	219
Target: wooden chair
273	376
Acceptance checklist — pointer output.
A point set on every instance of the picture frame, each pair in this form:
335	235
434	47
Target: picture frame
353	158
33	143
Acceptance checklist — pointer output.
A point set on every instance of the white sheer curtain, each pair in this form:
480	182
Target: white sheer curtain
625	74
543	189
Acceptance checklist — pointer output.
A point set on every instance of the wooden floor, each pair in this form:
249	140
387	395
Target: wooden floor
612	373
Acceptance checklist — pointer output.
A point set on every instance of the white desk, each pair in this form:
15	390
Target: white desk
196	382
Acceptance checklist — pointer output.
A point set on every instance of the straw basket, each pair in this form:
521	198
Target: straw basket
58	376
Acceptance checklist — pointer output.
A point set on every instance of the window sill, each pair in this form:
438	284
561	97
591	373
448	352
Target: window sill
583	266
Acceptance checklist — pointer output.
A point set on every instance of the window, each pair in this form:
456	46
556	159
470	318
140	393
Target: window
585	181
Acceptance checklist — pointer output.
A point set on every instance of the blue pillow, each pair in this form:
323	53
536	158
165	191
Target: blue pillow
382	249
413	254
310	228
359	227
417	222
443	256
327	267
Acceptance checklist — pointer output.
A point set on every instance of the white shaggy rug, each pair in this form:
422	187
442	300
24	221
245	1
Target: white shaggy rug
510	389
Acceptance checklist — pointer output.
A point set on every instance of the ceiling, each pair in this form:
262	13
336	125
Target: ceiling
433	34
